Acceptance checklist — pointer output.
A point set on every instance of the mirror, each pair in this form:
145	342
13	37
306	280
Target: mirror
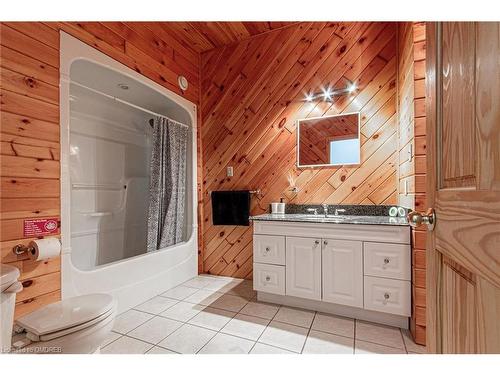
328	141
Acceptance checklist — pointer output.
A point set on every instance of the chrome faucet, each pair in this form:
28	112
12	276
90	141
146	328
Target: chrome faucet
337	210
325	209
313	210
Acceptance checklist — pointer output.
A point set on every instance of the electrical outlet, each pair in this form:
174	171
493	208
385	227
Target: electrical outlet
229	171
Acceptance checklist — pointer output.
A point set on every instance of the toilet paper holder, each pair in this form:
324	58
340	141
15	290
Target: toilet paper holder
21	249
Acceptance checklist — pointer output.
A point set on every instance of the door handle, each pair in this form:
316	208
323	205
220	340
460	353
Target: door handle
416	219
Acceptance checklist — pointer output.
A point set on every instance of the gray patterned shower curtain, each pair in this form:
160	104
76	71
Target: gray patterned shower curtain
167	186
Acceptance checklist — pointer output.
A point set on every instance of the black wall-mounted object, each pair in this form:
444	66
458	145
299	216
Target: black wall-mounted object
231	207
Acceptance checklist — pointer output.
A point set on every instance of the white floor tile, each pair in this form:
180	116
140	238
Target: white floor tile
336	325
284	336
188	339
155	330
207	276
363	347
198	282
160	350
112	336
156	305
324	343
379	334
302	318
229	302
179	292
243	289
412	346
246	326
226	344
260	348
126	345
241	323
212	318
203	297
183	311
129	320
222	285
260	309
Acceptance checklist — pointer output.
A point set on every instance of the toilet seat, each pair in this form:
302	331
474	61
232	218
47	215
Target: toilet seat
67	316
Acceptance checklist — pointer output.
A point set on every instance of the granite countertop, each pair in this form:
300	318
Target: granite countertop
340	219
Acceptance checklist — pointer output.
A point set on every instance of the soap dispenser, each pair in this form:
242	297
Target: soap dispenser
281	206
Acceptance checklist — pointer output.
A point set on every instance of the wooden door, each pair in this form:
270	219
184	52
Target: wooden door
343	272
463	164
303	267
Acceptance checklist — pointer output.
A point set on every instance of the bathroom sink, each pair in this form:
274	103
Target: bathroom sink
319	217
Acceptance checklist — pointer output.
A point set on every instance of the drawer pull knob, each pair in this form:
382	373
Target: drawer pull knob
325	242
268	249
268	278
27	283
386	295
386	261
316	242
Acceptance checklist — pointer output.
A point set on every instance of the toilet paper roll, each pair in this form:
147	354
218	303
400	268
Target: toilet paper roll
44	249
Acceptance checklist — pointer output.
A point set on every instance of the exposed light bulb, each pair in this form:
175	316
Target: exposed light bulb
309	97
327	94
351	88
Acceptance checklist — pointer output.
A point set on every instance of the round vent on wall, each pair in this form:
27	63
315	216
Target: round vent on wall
183	82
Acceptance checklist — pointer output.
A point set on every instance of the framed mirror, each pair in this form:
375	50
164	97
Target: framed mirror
329	141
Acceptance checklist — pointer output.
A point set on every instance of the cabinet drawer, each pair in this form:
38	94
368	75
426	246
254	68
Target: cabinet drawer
387	260
269	278
387	295
269	249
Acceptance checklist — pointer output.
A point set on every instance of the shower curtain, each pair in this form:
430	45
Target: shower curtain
167	187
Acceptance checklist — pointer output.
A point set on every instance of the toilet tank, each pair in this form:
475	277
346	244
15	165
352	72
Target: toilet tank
9	286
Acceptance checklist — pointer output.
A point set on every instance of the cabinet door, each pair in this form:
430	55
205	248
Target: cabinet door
343	272
303	267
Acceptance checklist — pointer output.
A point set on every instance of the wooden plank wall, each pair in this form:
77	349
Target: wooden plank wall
30	123
251	94
412	151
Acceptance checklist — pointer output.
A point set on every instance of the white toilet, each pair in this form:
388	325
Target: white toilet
74	325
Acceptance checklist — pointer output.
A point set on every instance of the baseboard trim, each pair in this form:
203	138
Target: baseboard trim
332	308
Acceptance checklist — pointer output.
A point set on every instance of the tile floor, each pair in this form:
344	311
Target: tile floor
220	315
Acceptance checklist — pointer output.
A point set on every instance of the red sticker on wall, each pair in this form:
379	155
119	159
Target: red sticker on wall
40	227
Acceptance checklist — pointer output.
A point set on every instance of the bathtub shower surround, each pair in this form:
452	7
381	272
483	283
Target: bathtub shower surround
110	153
167	186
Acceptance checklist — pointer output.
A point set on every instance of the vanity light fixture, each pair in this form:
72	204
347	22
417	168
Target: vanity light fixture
328	93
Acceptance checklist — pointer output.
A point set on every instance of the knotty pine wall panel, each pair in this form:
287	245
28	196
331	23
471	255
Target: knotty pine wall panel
412	151
29	149
252	93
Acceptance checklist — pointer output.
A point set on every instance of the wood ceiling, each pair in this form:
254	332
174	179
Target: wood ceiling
204	36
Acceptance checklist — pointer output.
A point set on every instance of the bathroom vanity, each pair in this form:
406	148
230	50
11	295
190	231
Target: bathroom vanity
357	266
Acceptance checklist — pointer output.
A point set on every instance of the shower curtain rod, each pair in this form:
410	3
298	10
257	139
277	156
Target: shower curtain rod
127	103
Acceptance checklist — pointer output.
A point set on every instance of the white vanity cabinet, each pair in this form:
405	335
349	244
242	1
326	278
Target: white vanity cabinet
343	272
362	271
303	267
